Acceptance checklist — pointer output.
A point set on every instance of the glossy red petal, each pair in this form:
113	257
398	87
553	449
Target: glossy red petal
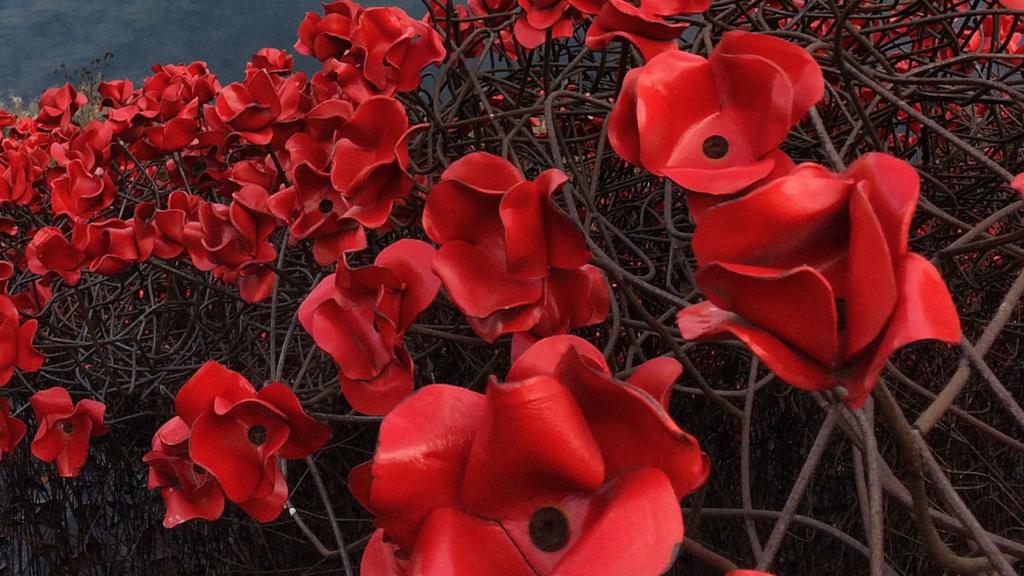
533	443
211	381
456	544
421	455
478	282
656	377
306	435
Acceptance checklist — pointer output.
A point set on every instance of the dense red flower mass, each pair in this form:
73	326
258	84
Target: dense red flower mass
830	250
359	317
16	350
509	259
238	435
537	476
251	108
188	490
741	103
12	430
65	429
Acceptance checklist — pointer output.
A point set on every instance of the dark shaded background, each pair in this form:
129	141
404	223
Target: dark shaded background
37	36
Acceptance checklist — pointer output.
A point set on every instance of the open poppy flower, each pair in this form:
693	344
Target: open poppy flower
509	259
187	489
58	105
393	48
370	160
328	36
238	435
16	350
828	249
359	316
81	193
537	476
741	103
252	107
12	430
65	429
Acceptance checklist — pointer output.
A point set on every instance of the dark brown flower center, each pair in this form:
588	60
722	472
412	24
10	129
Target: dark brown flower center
326	206
549	529
716	147
67	426
198	470
258	435
840	314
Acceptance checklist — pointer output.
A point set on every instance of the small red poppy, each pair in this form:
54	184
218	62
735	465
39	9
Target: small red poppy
65	429
12	430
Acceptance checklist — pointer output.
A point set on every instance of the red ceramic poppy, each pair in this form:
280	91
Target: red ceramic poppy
238	435
16	350
58	105
252	107
12	430
393	48
19	169
188	490
272	60
642	25
80	193
537	476
328	36
370	160
828	249
315	210
509	259
741	103
65	429
543	17
359	317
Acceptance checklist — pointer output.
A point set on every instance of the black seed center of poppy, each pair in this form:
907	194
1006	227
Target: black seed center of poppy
198	167
67	426
326	206
258	435
716	147
198	470
840	314
549	529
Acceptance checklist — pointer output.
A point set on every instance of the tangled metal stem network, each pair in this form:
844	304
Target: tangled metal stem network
927	479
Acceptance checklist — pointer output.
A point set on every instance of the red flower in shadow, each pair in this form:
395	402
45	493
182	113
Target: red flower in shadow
188	490
238	435
16	350
65	429
12	430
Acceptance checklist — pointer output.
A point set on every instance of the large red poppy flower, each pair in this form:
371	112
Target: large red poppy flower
16	350
251	108
239	435
188	490
360	316
12	430
537	476
509	259
740	105
20	167
393	48
65	429
370	160
315	210
232	242
58	105
832	251
80	193
643	25
328	36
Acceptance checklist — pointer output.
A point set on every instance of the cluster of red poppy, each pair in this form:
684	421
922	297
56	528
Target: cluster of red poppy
540	474
830	249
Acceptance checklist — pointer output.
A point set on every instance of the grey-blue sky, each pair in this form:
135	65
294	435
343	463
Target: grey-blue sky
37	36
